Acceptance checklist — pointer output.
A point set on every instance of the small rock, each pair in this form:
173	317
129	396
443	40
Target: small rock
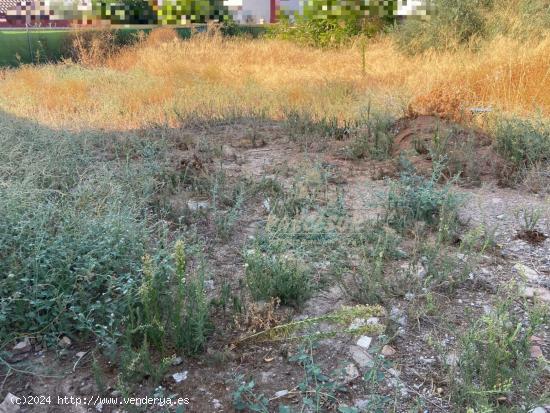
451	359
536	352
373	321
364	342
398	384
116	393
394	372
540	292
357	323
426	360
65	342
209	284
99	407
528	292
176	361
360	356
543	294
217	404
87	389
351	373
228	152
501	216
179	377
526	272
397	315
196	205
361	404
266	377
281	393
8	405
538	410
388	351
24	346
421	272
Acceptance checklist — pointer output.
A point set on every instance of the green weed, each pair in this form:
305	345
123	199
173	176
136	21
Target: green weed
279	276
414	198
494	362
523	142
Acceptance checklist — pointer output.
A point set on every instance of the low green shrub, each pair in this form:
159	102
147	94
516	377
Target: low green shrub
453	23
172	307
523	142
373	138
414	198
277	276
333	31
79	211
494	362
76	219
367	283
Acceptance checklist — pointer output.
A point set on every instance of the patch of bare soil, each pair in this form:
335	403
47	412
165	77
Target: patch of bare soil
532	236
423	140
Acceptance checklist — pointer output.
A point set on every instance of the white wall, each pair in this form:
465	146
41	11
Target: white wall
258	11
412	8
250	11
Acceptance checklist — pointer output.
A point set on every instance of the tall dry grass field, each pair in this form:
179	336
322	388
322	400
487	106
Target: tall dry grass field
164	78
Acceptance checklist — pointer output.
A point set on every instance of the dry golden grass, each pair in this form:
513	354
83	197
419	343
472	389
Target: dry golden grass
163	78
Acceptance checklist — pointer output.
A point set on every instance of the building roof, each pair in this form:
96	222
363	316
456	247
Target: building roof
5	5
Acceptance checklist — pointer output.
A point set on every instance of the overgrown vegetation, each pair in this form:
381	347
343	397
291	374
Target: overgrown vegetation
174	237
455	23
414	198
494	362
523	142
70	221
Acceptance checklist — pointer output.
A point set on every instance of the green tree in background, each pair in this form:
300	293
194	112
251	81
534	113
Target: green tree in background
158	11
190	11
348	9
334	22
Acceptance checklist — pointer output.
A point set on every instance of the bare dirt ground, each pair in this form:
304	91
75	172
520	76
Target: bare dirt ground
421	345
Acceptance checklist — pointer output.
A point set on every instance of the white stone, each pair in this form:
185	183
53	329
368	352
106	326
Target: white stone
364	342
451	359
360	356
281	393
9	405
373	320
357	323
526	272
176	361
179	377
23	346
196	205
361	404
388	351
65	342
351	372
538	410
